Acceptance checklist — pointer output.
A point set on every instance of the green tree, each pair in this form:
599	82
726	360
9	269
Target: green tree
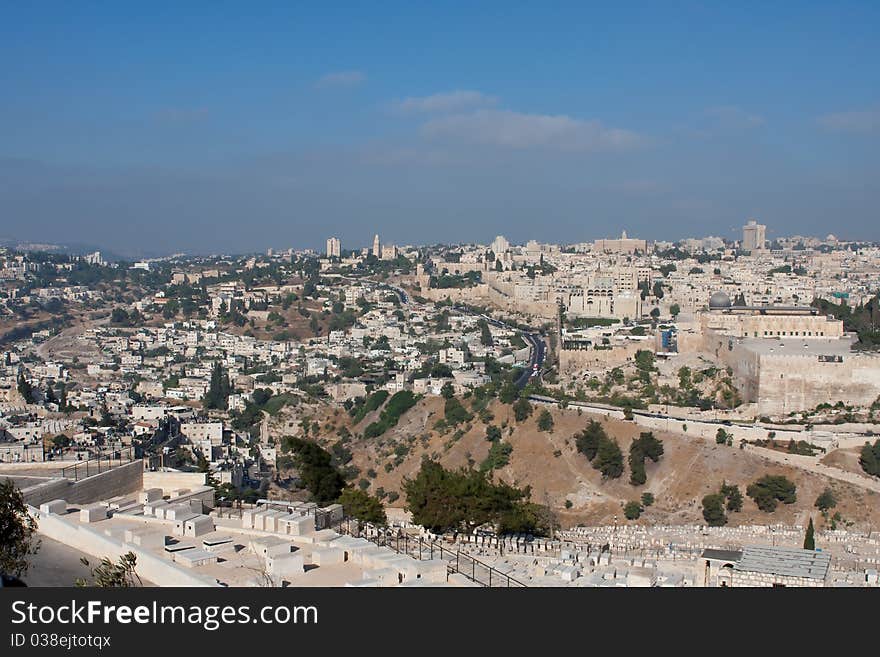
632	510
587	441
454	413
498	456
713	510
493	433
769	489
545	421
465	499
826	500
25	389
674	310
17	528
522	409
485	333
609	459
447	391
721	436
645	446
508	393
316	471
809	537
171	308
733	496
219	388
107	574
869	458
647	499
363	506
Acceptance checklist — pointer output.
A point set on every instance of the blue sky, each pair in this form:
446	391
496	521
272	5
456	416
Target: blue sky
224	127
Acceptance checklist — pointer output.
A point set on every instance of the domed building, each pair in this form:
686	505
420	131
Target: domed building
719	300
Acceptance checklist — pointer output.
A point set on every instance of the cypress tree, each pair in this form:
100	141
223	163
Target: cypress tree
809	539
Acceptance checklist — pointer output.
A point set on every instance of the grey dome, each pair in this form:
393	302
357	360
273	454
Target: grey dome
719	300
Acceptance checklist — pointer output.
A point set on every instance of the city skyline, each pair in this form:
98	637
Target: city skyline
122	129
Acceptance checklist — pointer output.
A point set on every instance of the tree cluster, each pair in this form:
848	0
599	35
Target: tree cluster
462	500
601	450
771	489
16	531
869	458
645	446
218	389
728	497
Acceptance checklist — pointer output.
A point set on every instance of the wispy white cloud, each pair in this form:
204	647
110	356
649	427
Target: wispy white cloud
858	122
341	79
453	101
731	116
516	130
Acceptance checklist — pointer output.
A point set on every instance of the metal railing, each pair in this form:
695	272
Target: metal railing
458	562
98	464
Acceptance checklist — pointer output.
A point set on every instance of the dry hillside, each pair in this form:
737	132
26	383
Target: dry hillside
549	462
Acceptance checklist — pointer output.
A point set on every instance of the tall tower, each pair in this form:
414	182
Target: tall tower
334	247
377	247
754	236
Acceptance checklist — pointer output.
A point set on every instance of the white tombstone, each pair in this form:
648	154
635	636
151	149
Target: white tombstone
270	546
92	513
193	558
58	507
198	526
145	537
149	495
326	556
285	565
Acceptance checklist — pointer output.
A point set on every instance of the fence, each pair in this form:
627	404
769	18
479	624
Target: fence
421	549
98	464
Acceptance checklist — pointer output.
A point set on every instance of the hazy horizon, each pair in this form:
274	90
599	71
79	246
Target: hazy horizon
218	130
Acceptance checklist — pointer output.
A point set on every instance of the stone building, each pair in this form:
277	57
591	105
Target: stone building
787	359
623	244
770	566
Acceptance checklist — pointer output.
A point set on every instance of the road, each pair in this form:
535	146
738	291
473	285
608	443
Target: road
535	341
536	359
810	464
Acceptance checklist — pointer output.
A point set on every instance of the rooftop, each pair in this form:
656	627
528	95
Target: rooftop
795	346
722	555
787	561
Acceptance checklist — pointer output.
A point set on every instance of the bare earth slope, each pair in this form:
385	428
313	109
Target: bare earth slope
556	472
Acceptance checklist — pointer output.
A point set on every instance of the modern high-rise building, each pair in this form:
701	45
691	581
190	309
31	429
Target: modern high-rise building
754	236
377	247
334	247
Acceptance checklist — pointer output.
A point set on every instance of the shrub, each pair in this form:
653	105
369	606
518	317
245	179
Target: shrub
545	421
454	413
769	489
609	459
713	510
646	445
632	510
522	409
587	441
363	506
826	500
498	457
